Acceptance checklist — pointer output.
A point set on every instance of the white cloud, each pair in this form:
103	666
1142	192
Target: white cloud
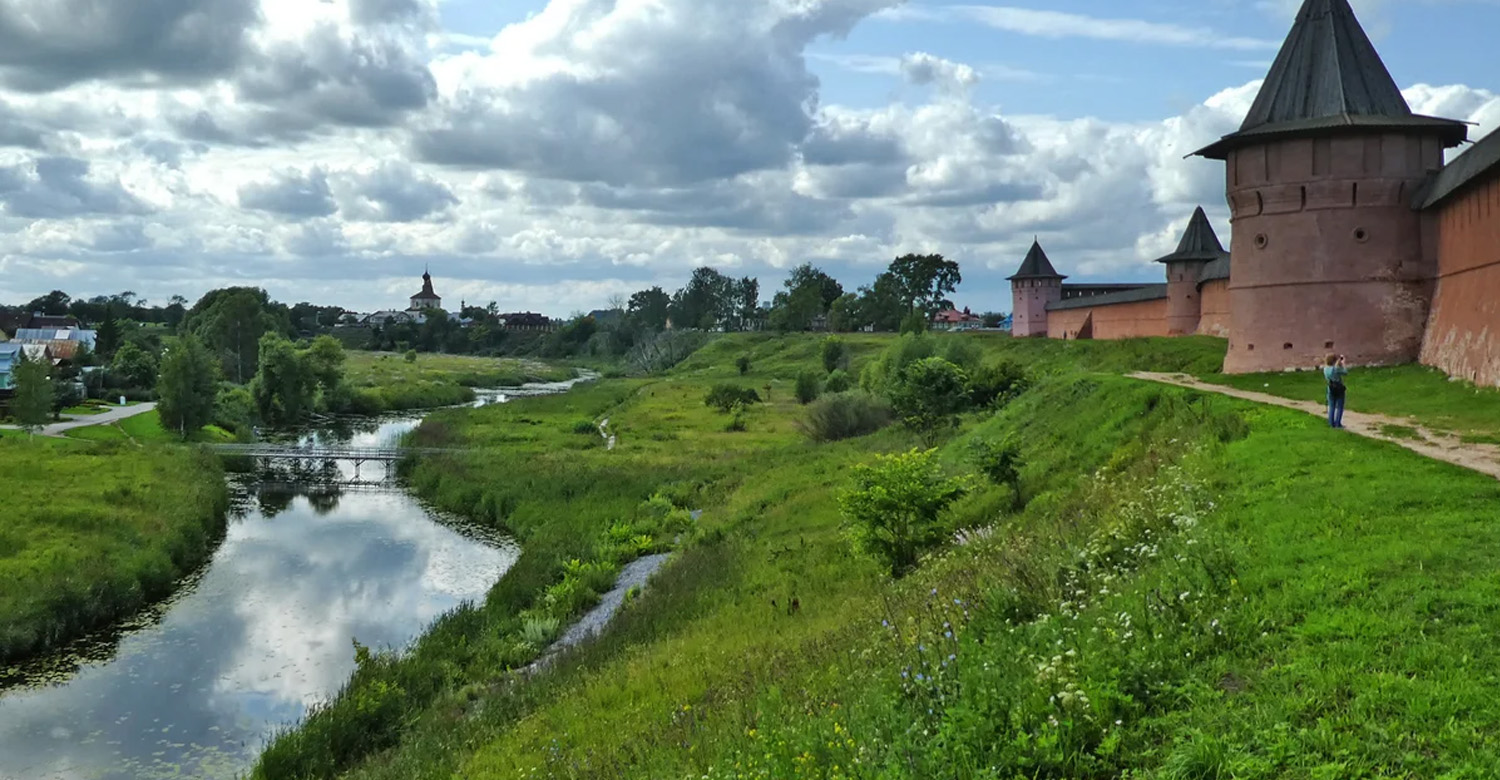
1058	24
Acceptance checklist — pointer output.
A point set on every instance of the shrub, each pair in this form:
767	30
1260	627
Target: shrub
914	323
840	416
997	384
809	386
835	354
411	356
895	506
837	382
929	396
886	371
724	396
743	364
736	422
962	351
1000	461
585	427
538	630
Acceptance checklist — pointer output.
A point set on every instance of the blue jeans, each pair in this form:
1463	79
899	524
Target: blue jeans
1335	409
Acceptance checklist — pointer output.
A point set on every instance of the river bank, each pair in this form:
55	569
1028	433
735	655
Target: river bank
94	532
1120	622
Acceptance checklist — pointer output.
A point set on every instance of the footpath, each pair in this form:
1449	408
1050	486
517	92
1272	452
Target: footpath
1411	434
114	415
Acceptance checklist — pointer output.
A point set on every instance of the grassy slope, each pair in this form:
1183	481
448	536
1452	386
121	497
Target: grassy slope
1289	615
91	533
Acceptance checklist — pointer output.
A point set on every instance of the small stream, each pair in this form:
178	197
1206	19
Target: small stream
196	685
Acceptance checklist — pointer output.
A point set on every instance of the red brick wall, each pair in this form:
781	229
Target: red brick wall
1463	333
1029	299
1115	321
1214	297
1066	323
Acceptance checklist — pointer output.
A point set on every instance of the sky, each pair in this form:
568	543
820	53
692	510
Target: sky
549	155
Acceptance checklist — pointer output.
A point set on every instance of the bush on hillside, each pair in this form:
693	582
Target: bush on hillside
997	384
840	416
837	382
929	396
585	428
724	396
963	351
835	354
736	422
411	356
1000	461
743	364
914	323
809	386
895	507
886	371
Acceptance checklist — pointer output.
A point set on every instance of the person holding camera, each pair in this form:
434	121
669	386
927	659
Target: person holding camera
1333	373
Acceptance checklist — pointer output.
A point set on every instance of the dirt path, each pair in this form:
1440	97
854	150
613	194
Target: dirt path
1483	458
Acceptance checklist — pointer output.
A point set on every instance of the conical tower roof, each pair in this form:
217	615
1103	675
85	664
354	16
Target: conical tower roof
1036	265
1199	242
1328	76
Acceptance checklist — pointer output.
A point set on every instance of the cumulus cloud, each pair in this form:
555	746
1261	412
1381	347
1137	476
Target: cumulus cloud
923	68
46	44
664	94
392	192
62	187
291	193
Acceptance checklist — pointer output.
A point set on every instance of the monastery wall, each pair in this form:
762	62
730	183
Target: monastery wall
1463	332
1110	322
1214	319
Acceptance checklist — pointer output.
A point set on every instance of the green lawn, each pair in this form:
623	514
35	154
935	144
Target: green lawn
1197	587
144	429
369	369
1424	394
94	531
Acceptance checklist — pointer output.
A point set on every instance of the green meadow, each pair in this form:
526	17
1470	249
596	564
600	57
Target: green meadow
1187	586
92	532
386	381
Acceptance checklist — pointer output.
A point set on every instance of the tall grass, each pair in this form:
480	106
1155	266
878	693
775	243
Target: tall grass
93	533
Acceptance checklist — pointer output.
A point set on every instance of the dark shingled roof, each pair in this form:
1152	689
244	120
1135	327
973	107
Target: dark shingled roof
1036	265
1150	292
1199	242
1479	160
1218	269
1328	75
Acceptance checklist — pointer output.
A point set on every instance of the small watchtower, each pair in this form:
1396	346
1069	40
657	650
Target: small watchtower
1035	285
1199	247
1328	251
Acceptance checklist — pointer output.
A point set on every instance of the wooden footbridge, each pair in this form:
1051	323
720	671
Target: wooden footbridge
324	454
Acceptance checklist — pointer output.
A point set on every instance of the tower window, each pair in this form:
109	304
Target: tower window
1261	241
1361	235
1249	347
1287	345
1328	345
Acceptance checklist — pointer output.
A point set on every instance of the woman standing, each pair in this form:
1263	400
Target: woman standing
1334	373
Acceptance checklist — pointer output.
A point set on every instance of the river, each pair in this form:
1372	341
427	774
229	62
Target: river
196	685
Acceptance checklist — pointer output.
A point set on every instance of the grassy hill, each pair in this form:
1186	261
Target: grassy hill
1196	587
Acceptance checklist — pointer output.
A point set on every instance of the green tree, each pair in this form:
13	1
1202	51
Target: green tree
187	386
835	354
705	302
929	395
285	386
843	314
914	322
809	386
134	366
925	281
32	403
809	293
325	360
232	321
894	509
54	304
107	341
1001	462
650	308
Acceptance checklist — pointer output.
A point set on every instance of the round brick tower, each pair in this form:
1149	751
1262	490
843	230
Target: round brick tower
1328	249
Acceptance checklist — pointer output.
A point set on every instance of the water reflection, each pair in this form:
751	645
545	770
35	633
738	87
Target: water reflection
263	634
